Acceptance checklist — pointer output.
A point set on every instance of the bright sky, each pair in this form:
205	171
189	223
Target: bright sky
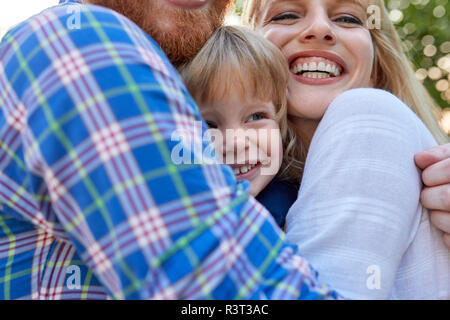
14	11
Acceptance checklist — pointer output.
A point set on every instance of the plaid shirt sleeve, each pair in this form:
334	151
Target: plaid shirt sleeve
87	179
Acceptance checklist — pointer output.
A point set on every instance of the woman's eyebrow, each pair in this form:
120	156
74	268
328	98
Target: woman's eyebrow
275	2
336	2
357	2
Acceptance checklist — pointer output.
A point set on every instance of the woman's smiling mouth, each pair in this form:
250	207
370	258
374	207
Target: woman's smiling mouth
317	67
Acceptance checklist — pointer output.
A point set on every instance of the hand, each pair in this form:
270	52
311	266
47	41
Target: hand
435	196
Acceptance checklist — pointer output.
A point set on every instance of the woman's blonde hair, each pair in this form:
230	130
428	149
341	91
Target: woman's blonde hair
392	71
238	58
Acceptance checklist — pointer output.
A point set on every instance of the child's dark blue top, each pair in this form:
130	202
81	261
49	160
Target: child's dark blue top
278	197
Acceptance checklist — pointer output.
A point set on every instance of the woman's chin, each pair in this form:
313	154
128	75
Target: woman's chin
309	104
310	110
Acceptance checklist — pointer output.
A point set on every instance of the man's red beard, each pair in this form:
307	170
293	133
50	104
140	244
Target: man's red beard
181	33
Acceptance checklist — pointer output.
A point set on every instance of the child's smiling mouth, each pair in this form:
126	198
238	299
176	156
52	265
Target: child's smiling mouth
245	171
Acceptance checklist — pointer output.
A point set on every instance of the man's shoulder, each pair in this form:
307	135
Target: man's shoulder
67	16
71	18
89	43
71	26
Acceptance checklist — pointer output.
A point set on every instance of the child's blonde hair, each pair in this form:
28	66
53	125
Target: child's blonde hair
392	69
238	58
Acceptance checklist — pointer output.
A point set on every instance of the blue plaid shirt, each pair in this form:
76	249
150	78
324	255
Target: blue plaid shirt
92	206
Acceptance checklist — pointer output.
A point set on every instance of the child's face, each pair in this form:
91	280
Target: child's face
251	140
328	47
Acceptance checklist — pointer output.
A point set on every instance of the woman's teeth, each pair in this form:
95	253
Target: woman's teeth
316	75
316	70
244	169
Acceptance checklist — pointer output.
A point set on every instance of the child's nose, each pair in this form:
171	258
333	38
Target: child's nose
238	146
235	143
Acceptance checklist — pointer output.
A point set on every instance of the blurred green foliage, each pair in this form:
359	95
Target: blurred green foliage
424	27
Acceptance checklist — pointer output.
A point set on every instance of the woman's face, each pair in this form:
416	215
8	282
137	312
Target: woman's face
328	47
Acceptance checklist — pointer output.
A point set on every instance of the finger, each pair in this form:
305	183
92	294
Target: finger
429	157
425	159
436	198
441	220
437	174
447	240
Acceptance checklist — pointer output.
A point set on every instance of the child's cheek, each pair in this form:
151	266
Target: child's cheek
281	151
274	151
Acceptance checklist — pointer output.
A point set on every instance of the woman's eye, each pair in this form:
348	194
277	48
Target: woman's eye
285	16
349	19
256	117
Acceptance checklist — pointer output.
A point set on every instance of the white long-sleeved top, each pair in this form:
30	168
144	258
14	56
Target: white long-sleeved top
358	218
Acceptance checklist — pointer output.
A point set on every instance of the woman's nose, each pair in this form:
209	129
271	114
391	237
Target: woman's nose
319	30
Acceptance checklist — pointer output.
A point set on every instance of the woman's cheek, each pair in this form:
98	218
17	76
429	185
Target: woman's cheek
280	35
364	56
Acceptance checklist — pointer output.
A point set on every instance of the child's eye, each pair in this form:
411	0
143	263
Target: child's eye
256	116
349	19
211	125
285	16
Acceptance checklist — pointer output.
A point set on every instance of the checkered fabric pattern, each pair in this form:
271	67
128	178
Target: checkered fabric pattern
92	207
